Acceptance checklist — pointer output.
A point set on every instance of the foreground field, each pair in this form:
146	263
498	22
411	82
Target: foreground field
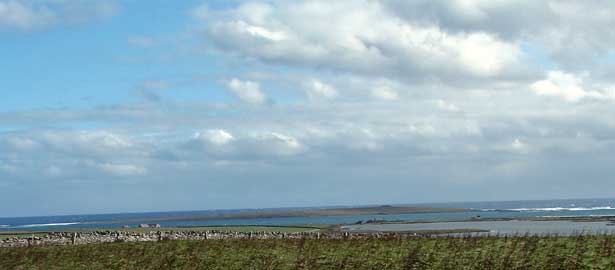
581	252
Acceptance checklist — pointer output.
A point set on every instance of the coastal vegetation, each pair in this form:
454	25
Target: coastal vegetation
519	252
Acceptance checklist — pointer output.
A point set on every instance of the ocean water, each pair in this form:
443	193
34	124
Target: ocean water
508	227
503	209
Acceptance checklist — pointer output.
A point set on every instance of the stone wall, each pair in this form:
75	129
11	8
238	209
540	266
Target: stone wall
65	238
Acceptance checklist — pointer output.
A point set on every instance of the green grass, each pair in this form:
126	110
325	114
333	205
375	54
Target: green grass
581	252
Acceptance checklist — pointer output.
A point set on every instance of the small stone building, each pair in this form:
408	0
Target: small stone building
149	225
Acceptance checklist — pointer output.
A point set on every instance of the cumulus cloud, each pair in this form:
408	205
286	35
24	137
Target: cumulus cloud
66	156
571	32
566	86
316	89
375	98
476	15
384	93
364	38
123	169
219	145
446	106
90	142
82	145
216	136
247	91
519	147
281	144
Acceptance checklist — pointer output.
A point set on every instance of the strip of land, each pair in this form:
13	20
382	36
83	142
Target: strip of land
377	210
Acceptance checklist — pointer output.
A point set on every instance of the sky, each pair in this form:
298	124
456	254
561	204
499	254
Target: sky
128	106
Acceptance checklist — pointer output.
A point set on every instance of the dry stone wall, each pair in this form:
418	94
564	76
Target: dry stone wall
66	238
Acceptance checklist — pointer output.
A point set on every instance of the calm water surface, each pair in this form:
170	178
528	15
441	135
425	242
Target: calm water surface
497	227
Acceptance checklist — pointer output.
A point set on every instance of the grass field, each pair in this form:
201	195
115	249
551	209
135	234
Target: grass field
580	252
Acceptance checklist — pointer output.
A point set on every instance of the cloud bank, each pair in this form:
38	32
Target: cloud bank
343	102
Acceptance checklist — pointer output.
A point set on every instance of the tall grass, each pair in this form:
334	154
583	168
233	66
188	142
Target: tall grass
520	252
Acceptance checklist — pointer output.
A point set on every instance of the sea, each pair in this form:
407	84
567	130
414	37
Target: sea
493	209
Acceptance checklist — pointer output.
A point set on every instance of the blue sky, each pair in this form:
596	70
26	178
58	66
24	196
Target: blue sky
123	106
85	64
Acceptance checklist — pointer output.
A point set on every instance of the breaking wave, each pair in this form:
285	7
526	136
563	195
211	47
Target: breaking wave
548	209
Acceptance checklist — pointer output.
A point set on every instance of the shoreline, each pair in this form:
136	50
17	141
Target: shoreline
609	218
94	235
329	227
350	211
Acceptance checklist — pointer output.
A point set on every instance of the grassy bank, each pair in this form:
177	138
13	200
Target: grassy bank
582	252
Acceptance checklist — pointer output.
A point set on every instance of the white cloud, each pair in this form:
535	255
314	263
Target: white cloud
572	33
22	16
469	81
476	15
581	34
363	38
280	144
260	32
23	143
105	139
247	91
27	15
484	55
564	85
385	93
287	140
316	89
215	136
123	169
95	144
519	146
66	155
447	106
